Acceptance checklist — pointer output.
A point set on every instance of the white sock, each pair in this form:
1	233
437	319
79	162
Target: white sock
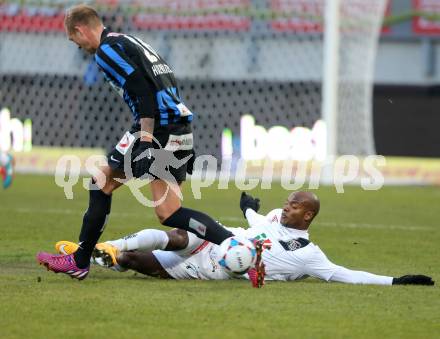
193	243
146	240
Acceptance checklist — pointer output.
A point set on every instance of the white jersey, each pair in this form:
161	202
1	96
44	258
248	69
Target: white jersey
286	260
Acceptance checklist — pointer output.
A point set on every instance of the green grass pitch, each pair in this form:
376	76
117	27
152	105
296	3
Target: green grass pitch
393	231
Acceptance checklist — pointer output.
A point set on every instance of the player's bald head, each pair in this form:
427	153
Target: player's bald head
308	199
299	210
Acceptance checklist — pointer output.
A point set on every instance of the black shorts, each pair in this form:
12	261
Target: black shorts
176	140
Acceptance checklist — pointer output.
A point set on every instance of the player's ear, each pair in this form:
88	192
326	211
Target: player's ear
79	30
308	215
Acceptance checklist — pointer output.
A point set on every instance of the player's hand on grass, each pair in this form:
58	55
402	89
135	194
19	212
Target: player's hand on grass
413	280
247	201
142	158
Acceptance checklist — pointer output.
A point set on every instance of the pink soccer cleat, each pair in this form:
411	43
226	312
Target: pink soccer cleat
60	263
256	276
257	273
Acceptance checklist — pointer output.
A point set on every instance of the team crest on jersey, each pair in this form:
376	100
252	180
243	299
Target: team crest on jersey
294	244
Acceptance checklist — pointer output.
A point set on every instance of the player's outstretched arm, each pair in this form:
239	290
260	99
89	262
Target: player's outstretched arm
250	206
348	276
248	202
345	275
317	265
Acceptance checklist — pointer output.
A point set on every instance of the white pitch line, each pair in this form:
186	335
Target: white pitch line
64	211
356	225
234	219
376	226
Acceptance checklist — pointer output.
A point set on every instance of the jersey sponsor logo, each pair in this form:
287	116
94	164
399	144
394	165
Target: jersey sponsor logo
294	244
182	142
124	144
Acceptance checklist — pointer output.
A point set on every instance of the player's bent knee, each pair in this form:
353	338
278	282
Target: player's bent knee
177	240
108	179
161	218
163	213
110	187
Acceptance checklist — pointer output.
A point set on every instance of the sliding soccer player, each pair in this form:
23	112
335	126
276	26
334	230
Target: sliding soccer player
292	256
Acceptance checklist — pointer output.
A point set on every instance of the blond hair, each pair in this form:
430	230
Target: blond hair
81	15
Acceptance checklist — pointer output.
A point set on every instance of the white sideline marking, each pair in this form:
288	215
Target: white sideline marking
236	219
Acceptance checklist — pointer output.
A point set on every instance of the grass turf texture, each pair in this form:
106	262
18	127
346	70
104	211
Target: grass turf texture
393	231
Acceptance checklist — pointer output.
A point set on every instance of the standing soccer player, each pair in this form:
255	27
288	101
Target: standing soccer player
158	145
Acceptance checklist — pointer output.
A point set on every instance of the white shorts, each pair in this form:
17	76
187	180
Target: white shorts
202	264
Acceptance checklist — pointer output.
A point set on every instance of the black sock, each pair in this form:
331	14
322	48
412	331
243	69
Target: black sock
198	223
93	225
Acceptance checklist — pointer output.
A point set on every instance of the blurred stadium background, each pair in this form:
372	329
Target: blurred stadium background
240	63
249	69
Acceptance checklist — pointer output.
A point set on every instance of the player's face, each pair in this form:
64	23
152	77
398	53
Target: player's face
83	40
293	212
